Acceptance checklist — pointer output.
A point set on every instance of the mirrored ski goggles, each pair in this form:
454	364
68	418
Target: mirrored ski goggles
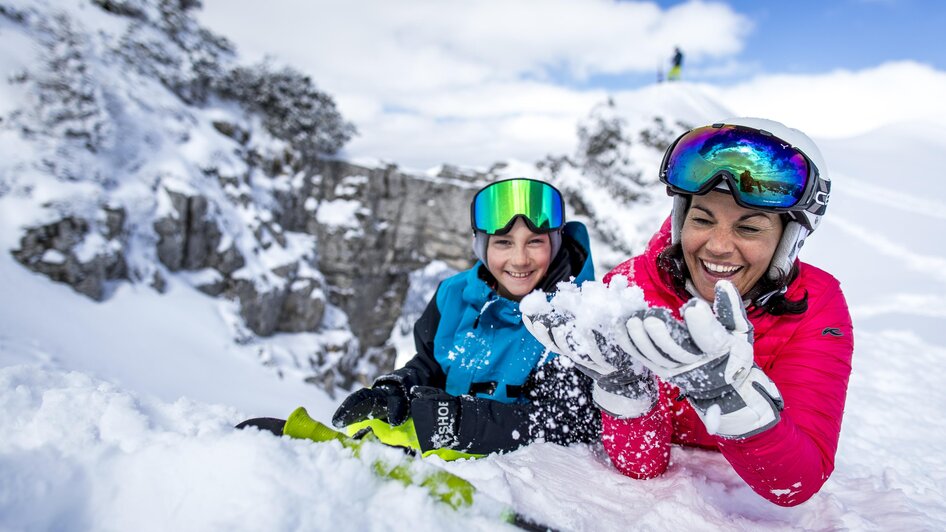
763	171
496	206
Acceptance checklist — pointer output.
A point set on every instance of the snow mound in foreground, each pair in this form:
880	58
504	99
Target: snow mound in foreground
94	457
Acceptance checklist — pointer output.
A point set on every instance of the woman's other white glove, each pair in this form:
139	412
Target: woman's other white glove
623	387
710	358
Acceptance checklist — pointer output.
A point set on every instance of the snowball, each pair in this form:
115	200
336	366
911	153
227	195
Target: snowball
594	306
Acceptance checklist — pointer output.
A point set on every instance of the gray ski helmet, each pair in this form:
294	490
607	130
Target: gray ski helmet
797	229
481	240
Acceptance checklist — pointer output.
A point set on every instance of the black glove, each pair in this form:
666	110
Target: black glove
436	417
387	401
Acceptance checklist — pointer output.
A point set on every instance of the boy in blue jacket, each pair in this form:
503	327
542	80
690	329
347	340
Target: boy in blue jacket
480	382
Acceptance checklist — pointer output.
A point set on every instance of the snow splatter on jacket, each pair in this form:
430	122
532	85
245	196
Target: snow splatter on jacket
808	356
472	343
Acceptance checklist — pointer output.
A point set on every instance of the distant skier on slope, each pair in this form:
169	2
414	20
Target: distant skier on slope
480	383
766	388
676	65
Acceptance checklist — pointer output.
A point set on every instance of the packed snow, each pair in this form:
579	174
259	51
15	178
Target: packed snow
119	415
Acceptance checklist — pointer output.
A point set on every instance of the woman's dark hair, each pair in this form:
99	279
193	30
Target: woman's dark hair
670	262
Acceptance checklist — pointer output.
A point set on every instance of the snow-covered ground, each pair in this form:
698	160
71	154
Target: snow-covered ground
117	416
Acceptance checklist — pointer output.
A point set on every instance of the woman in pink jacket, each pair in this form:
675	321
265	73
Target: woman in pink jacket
751	348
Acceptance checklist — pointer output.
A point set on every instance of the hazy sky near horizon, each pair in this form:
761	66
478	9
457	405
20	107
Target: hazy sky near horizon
479	81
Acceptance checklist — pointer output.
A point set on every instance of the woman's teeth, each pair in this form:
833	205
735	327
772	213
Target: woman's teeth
720	268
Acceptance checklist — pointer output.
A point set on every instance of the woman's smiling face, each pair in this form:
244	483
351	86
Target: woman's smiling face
723	240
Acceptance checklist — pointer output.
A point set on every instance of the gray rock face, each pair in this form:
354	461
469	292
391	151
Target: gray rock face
403	223
68	251
188	239
297	306
373	226
303	307
260	309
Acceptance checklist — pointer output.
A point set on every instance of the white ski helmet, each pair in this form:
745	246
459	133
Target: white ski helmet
803	220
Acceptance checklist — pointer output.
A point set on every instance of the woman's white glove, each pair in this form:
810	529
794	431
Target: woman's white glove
623	387
710	358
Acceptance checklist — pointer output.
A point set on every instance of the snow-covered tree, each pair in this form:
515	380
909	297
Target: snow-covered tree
291	106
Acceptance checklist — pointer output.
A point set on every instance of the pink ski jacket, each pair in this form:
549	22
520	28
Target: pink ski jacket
808	356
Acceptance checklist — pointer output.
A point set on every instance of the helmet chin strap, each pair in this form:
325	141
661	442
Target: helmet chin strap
793	237
678	214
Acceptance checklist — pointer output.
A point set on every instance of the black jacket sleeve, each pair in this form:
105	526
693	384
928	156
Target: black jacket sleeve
422	369
560	411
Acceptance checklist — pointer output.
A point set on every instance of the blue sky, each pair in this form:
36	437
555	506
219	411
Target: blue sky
811	37
427	81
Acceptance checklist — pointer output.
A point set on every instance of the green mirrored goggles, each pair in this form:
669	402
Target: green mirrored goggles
496	206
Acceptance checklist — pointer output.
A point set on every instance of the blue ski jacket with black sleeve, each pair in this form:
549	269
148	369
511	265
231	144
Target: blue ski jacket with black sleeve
471	342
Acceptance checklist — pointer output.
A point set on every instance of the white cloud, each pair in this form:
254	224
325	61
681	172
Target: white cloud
501	99
844	103
479	125
427	44
471	83
420	142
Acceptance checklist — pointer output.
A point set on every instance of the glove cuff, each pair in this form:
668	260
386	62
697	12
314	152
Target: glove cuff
747	408
389	378
436	421
622	403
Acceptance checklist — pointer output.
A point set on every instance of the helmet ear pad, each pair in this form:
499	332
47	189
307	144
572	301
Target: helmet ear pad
679	213
793	237
481	241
